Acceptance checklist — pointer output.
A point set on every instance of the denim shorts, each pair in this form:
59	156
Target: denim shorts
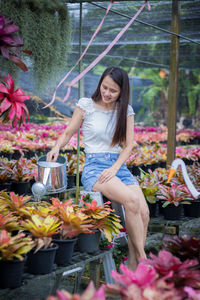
94	165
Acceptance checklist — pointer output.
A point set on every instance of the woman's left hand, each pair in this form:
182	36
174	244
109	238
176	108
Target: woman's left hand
107	174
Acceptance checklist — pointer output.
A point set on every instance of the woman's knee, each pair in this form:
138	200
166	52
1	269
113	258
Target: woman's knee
132	204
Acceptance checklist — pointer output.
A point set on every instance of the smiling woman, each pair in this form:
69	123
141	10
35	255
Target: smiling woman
107	126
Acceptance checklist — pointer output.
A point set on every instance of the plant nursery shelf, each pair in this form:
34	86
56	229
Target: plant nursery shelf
40	286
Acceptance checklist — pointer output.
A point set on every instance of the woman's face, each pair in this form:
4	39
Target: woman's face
110	90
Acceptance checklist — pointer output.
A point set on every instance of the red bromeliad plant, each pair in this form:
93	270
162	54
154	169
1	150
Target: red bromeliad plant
14	247
183	247
173	194
12	107
12	202
73	221
182	273
141	284
192	294
24	170
102	217
9	222
10	42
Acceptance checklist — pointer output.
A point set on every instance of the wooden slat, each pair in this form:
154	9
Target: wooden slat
173	83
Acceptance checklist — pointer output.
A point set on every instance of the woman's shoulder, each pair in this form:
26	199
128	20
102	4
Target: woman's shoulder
86	104
130	111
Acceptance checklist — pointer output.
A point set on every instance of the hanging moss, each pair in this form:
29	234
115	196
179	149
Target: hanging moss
45	29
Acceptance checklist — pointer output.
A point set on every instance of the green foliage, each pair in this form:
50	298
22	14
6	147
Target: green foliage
45	29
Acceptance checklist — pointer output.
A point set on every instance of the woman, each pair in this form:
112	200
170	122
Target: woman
107	124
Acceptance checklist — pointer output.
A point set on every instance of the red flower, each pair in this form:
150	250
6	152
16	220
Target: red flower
109	246
124	258
10	42
12	107
123	230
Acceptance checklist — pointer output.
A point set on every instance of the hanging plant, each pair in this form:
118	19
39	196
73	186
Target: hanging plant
44	26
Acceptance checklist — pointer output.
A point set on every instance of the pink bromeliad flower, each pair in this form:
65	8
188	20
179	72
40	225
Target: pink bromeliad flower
12	107
10	42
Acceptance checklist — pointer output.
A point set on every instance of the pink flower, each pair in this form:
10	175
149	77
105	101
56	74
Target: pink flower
193	294
12	107
10	42
142	276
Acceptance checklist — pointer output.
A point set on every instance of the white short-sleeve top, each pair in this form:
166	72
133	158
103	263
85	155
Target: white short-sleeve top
98	127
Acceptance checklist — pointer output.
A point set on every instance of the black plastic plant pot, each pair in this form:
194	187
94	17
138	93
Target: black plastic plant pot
20	188
193	209
41	262
11	272
172	212
65	251
89	242
5	186
152	209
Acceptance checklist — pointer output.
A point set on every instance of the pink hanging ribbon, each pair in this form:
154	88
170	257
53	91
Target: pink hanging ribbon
77	78
92	38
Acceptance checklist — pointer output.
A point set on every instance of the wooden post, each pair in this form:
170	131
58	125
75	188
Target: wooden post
173	82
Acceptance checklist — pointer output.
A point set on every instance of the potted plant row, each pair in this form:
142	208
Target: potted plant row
17	175
171	197
50	224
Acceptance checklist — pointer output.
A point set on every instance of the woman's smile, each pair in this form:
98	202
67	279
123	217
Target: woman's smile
110	92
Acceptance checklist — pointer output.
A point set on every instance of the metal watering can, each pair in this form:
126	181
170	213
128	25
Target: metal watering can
52	177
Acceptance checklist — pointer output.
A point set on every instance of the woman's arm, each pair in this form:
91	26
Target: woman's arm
74	124
107	174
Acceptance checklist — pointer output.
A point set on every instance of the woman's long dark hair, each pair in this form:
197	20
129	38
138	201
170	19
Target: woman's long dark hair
121	78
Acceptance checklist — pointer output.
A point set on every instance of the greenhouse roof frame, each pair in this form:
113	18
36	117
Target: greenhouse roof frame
189	39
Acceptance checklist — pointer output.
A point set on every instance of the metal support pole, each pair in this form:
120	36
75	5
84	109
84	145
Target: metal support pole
173	83
79	95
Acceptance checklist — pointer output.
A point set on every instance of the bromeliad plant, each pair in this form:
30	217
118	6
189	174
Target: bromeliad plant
173	194
184	247
73	220
90	293
24	170
10	42
149	185
12	108
102	217
6	172
12	202
143	283
14	247
182	274
9	222
42	229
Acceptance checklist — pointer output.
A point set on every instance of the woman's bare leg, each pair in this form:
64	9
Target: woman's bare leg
144	210
117	191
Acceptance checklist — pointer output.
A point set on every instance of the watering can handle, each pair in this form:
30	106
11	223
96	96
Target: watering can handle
46	176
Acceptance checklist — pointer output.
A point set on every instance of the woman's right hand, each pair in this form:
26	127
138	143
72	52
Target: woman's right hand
53	154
